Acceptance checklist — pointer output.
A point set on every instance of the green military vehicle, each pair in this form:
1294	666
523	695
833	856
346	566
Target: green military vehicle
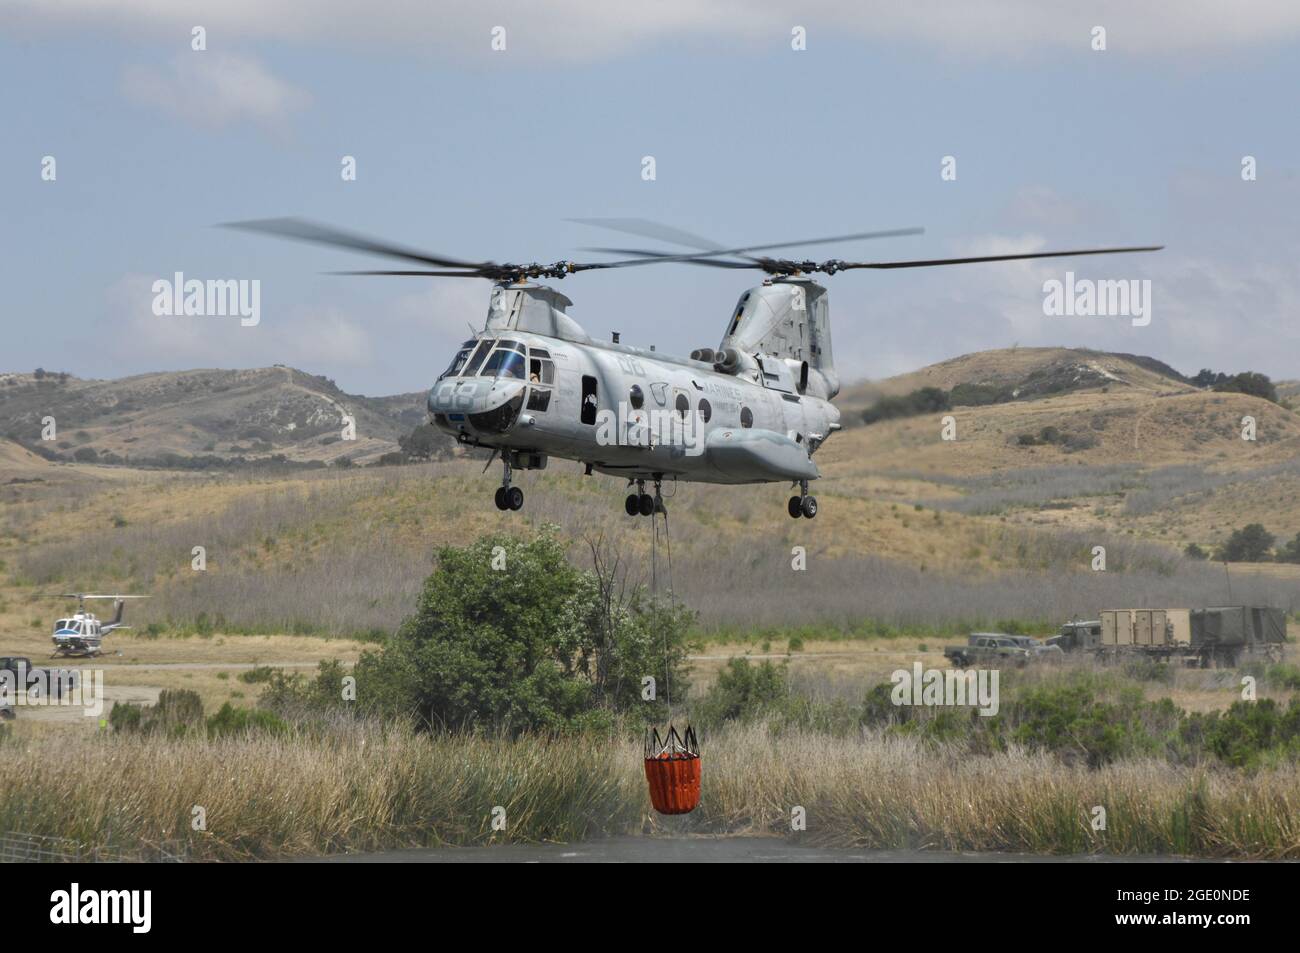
1078	635
986	648
1215	636
1224	635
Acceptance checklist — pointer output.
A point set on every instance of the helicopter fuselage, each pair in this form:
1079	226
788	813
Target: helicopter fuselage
629	411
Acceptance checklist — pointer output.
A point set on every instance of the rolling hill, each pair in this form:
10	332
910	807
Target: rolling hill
226	414
1029	373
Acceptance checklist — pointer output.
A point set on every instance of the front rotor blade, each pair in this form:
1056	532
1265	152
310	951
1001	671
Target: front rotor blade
646	253
422	274
302	230
645	228
846	265
713	252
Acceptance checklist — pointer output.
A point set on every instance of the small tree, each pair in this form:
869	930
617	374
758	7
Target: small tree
1290	553
1250	544
508	635
1249	382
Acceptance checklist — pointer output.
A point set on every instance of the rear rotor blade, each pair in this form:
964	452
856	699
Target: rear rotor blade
847	265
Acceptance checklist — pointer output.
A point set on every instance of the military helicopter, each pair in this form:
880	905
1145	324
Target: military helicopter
81	633
533	385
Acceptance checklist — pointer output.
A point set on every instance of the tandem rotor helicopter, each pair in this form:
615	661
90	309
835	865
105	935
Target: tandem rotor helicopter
532	384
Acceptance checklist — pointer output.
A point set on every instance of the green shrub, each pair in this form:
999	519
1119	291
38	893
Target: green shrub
257	674
538	645
178	712
923	401
744	692
230	720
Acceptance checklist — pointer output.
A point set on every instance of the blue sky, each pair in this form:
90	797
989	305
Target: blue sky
485	154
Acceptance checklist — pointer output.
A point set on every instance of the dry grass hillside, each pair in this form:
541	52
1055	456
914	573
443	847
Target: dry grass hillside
1035	371
916	533
254	414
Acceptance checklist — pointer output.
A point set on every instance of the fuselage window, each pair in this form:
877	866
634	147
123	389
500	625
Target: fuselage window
706	410
636	397
746	417
683	405
590	402
541	375
540	371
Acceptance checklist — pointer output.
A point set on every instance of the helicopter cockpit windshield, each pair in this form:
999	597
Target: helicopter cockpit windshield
506	361
458	361
67	625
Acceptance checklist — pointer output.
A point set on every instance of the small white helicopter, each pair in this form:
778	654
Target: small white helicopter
81	633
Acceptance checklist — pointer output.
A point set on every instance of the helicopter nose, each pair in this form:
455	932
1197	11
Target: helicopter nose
482	404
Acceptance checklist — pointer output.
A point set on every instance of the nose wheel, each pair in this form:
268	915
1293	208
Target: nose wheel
803	504
508	497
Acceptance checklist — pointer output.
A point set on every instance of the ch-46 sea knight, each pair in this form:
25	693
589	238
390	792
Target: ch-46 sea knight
532	384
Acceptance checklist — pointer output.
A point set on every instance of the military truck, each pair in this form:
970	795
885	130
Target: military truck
1078	635
1218	635
993	648
1224	635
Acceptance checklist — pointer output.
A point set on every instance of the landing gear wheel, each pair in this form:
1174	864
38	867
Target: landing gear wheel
795	507
809	506
646	504
501	498
632	505
515	498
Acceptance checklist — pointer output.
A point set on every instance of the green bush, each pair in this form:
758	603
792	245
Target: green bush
257	674
230	720
923	401
536	645
1248	734
178	712
744	692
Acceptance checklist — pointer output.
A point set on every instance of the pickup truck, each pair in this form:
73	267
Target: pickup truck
20	671
998	648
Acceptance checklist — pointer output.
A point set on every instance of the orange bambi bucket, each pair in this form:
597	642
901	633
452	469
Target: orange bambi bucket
672	768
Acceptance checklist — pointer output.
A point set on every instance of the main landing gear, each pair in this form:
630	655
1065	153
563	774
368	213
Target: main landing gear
508	497
642	503
803	504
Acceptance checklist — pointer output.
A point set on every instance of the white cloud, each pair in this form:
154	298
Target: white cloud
600	29
214	89
306	336
398	345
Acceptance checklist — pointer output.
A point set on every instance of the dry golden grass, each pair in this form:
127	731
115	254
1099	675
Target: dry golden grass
362	788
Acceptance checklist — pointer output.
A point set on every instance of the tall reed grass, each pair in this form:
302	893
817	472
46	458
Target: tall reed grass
358	787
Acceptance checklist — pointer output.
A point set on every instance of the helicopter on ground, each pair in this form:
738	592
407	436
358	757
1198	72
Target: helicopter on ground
533	385
81	633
